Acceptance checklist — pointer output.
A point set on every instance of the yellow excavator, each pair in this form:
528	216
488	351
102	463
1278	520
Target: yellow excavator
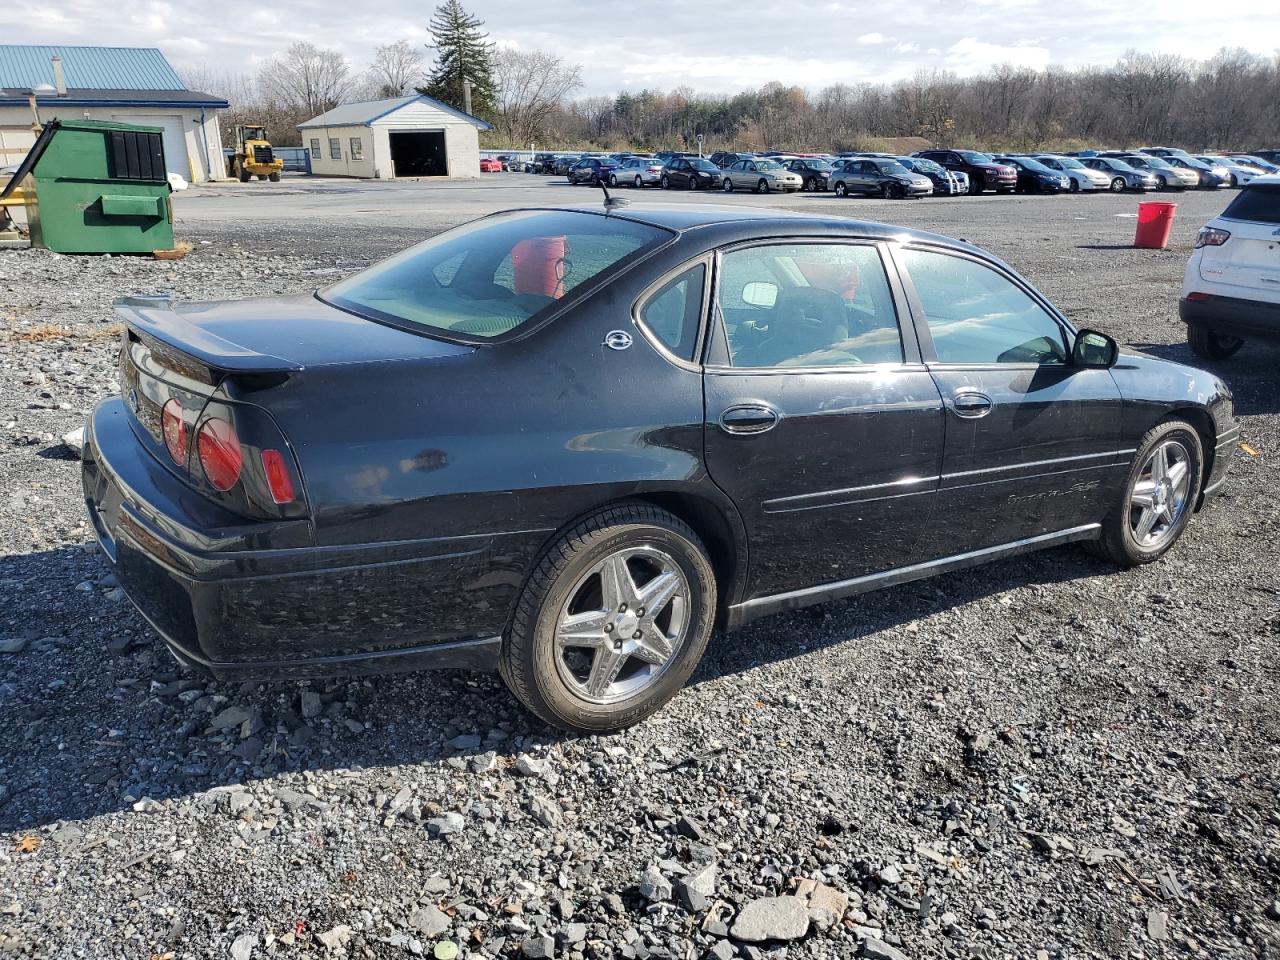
253	156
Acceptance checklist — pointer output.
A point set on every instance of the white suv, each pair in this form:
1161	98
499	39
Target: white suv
1231	291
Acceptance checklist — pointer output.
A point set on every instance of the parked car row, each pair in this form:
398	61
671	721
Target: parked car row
934	172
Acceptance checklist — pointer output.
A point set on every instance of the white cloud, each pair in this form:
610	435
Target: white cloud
909	46
872	39
970	55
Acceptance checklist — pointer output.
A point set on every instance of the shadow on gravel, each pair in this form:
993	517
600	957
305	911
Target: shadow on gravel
98	716
1250	373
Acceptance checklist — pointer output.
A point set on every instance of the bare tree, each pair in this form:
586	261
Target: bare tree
528	87
396	69
307	78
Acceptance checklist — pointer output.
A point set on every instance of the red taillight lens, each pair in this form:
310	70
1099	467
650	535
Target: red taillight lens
175	430
1212	237
219	450
279	480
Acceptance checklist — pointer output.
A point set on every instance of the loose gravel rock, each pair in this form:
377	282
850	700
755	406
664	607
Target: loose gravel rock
1041	758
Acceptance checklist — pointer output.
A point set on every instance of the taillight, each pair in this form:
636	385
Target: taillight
175	430
279	481
1212	237
219	450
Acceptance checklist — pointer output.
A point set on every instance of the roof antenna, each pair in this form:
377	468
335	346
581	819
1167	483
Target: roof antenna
609	201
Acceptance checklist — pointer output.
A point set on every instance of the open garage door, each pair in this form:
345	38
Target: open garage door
418	153
174	137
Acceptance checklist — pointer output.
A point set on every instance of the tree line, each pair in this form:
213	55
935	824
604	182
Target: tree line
1225	102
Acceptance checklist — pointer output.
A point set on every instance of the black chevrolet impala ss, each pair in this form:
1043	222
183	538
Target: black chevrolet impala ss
565	443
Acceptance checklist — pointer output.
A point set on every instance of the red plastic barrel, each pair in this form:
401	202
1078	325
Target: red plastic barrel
1155	221
538	265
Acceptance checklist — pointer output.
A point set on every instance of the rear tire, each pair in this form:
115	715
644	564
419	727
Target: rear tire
841	190
274	177
639	182
613	180
666	182
1173	497
1211	345
598	685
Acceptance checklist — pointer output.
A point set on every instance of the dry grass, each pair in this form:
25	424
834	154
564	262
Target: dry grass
48	332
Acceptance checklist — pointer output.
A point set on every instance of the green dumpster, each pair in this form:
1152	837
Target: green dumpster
97	187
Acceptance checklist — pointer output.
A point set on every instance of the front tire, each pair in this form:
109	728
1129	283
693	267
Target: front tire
612	622
842	189
1211	345
1159	496
727	186
666	182
1075	185
762	186
1117	185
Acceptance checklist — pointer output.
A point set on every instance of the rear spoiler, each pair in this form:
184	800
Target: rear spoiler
155	318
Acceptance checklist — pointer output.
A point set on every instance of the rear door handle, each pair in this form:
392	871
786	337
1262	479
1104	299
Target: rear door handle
971	404
748	418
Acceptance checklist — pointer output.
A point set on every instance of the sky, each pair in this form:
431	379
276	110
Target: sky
715	47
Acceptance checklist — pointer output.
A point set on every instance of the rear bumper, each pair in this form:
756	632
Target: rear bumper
1247	319
229	604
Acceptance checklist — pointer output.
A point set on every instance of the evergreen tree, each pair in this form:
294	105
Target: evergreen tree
463	51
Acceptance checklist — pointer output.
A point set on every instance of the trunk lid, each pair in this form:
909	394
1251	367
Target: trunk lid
1249	259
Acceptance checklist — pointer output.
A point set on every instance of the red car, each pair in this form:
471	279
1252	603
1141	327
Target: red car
489	165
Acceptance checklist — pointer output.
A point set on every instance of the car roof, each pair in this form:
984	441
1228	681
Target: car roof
684	218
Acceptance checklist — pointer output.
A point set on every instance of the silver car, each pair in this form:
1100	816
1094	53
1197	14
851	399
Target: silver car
1120	175
637	172
1236	173
1082	178
760	174
1167	177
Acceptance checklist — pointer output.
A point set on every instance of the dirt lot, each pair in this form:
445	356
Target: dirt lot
1043	758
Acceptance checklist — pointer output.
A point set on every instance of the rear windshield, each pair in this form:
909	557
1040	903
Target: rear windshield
488	278
1258	202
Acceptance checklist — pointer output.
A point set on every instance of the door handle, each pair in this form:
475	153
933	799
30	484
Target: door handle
748	418
971	404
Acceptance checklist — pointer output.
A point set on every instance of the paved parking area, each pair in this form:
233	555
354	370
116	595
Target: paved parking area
1044	757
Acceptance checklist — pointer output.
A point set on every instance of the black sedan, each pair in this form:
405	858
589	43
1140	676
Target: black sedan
1035	177
690	173
593	170
563	443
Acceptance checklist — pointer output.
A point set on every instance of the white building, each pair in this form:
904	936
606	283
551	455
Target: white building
127	84
414	136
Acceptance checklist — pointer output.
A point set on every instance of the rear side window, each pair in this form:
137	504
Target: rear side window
1257	202
488	278
673	313
977	315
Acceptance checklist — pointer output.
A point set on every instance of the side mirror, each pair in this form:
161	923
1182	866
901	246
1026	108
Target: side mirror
1094	351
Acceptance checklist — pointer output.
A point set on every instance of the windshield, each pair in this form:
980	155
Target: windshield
1157	163
972	156
890	166
1118	165
1034	165
923	165
1069	163
817	164
699	164
1258	202
768	165
487	278
1259	162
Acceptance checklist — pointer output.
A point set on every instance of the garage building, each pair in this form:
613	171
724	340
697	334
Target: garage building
414	136
127	84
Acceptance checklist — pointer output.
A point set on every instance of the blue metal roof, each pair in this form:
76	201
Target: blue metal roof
87	68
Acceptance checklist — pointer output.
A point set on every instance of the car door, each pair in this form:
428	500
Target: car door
1032	442
865	177
822	424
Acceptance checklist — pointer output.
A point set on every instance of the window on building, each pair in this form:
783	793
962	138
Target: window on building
357	149
335	148
315	149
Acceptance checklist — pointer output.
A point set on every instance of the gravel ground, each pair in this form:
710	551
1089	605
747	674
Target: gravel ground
1044	758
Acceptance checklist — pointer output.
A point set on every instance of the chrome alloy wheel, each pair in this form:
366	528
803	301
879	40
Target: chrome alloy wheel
1159	495
622	625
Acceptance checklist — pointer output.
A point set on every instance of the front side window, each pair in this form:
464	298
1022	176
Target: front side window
357	149
315	149
335	148
977	315
487	278
674	312
807	305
